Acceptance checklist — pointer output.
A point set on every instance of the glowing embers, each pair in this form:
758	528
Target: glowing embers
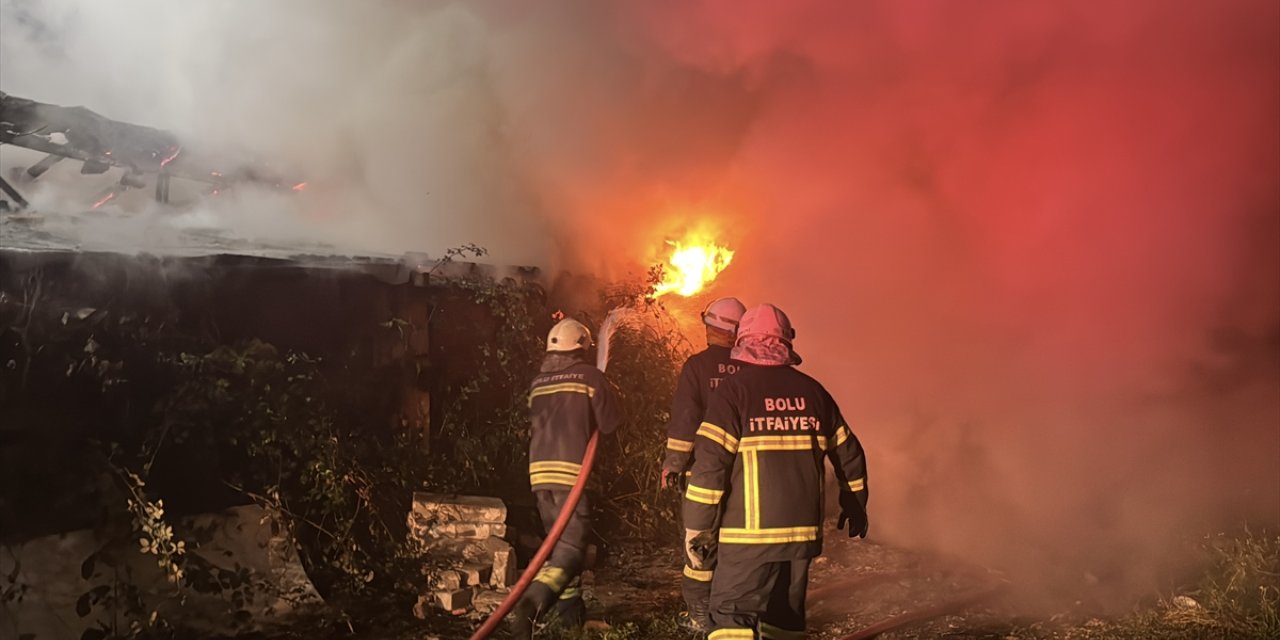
693	263
173	155
104	199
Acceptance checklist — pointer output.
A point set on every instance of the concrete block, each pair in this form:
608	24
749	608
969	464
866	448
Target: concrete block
427	531
483	550
467	530
487	601
446	579
477	573
441	508
503	575
455	600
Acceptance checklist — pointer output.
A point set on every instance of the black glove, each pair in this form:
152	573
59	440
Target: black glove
852	512
671	479
673	469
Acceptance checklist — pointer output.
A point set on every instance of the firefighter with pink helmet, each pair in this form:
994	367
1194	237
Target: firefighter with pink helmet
754	499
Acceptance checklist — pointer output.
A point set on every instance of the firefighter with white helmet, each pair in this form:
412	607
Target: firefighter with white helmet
756	490
701	374
569	400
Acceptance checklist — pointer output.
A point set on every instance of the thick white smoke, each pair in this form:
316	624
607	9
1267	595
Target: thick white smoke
1032	248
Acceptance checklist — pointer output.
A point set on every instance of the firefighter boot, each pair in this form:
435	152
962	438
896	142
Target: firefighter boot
526	612
572	612
694	622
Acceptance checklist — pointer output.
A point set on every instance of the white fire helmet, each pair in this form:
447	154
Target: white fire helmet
568	335
766	320
724	314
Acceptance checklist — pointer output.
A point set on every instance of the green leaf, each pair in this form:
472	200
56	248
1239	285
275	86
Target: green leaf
82	605
86	567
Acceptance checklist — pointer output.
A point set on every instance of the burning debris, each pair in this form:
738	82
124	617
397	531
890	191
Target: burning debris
101	144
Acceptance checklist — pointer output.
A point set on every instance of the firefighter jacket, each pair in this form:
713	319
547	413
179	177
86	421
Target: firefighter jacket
566	406
701	374
758	464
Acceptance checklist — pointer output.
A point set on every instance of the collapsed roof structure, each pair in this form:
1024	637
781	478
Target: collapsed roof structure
100	143
147	156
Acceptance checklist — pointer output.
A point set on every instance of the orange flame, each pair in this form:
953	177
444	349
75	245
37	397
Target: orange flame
694	262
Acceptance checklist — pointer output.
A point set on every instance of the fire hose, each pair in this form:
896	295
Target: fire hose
928	613
607	328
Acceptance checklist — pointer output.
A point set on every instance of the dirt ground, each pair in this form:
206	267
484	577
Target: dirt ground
855	583
634	594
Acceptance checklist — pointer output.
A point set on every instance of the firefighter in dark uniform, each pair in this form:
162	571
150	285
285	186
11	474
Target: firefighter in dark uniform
757	483
569	400
701	374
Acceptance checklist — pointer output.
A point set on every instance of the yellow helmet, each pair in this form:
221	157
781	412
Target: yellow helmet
568	335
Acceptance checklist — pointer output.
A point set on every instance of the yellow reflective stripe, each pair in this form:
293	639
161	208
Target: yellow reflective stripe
705	496
553	577
564	387
858	485
680	445
770	632
732	634
842	434
554	472
768	536
570	593
552	478
555	465
698	574
751	488
718	436
782	443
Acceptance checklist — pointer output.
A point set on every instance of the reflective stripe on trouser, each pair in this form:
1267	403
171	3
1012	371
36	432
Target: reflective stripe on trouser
561	573
766	596
695	584
570	607
573	589
732	634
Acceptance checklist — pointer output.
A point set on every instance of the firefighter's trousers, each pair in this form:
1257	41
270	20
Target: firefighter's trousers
759	600
560	579
696	583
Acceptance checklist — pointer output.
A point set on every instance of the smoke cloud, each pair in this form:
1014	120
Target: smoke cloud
1032	248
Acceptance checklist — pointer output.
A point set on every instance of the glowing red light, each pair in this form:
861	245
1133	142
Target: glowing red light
105	199
176	151
300	186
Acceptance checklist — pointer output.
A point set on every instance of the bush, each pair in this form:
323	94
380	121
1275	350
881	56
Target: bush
165	403
1237	597
1240	593
645	360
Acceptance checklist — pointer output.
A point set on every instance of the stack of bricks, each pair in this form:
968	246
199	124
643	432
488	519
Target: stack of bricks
469	564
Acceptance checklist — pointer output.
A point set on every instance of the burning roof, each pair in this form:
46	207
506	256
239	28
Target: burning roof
144	155
100	143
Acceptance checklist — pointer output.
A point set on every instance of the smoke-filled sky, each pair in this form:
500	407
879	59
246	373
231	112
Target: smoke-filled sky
1032	248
